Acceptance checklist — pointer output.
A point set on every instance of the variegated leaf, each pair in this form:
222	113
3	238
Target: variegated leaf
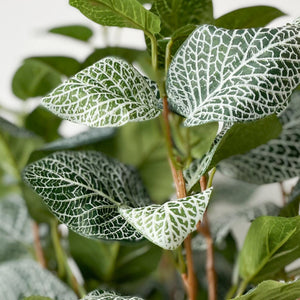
233	139
234	75
85	189
169	224
109	93
107	295
275	161
22	278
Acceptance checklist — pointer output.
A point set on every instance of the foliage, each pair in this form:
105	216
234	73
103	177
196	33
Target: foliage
90	216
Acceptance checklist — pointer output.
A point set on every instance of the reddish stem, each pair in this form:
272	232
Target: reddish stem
37	246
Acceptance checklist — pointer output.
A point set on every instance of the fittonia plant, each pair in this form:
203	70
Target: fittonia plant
201	75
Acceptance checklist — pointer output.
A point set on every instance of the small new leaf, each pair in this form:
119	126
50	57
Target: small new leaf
234	75
169	224
109	93
85	189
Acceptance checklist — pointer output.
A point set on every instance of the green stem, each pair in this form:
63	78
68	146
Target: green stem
153	49
211	177
62	261
168	56
231	292
242	287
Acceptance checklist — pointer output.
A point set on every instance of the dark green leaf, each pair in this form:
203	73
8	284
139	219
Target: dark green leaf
64	65
129	54
119	13
34	78
113	262
273	290
84	190
238	138
78	32
247	17
43	123
271	244
107	295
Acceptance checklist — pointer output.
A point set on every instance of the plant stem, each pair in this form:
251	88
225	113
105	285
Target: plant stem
189	279
242	288
38	247
63	265
283	193
204	229
153	50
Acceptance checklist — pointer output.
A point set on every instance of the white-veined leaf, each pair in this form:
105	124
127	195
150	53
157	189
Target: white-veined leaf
275	161
234	75
109	93
84	190
107	295
22	278
169	224
233	139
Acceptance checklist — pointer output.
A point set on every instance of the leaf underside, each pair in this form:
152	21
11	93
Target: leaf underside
84	190
169	224
109	93
234	75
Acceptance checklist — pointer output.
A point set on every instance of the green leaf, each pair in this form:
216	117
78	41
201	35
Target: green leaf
275	161
88	137
78	32
43	123
16	233
113	262
108	93
169	224
105	295
247	17
175	14
236	139
271	244
147	153
22	278
274	290
34	78
234	75
63	64
129	54
119	13
221	227
85	189
16	144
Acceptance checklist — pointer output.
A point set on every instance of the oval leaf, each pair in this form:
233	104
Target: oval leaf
169	224
109	93
78	32
119	13
84	190
234	75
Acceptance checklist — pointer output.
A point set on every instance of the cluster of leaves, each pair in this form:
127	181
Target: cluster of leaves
224	72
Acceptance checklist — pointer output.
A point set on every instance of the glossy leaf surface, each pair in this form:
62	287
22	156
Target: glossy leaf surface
85	189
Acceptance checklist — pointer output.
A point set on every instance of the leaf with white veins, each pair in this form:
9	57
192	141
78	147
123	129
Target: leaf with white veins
169	224
111	92
107	295
234	75
85	189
